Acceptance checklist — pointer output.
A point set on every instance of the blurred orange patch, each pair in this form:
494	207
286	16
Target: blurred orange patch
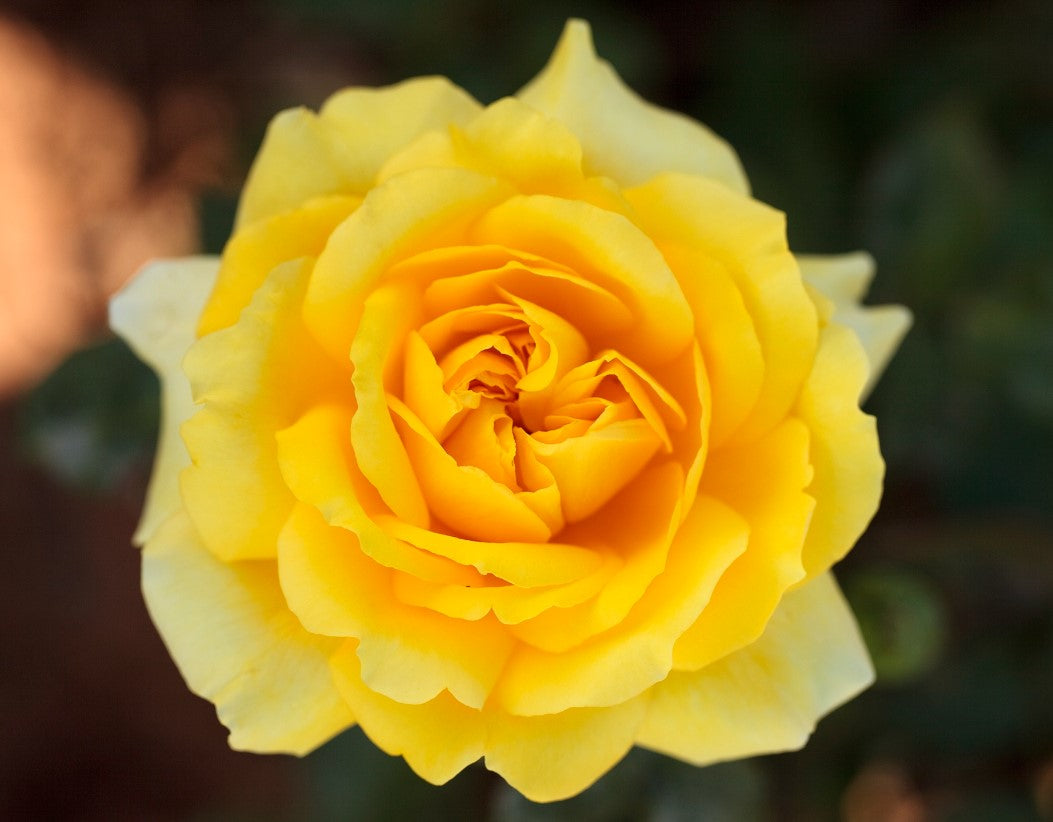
83	199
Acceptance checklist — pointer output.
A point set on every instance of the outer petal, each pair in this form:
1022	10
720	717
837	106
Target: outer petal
156	313
767	696
253	252
252	379
623	136
437	738
844	280
341	149
237	644
844	449
547	758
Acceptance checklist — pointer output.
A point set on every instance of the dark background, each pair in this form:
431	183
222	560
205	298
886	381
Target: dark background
922	132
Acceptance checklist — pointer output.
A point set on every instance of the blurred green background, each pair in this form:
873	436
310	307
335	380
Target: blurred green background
922	132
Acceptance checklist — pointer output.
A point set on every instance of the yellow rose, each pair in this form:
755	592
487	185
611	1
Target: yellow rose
512	432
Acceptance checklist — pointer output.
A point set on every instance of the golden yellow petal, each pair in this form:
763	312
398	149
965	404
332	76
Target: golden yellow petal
466	498
767	696
238	645
156	313
765	483
317	465
389	313
608	249
623	136
638	652
734	359
748	239
633	536
409	654
511	604
427	208
590	469
476	275
528	565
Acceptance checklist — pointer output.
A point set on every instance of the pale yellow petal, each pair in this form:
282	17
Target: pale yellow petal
156	314
238	645
437	738
844	280
844	452
252	379
253	251
767	696
623	136
341	149
509	140
547	758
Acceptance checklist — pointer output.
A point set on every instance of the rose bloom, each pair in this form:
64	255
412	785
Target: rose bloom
512	432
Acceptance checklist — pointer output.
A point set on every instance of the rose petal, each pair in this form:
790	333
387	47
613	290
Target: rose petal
341	149
387	317
508	139
430	207
844	450
238	645
408	654
438	738
252	252
765	482
466	498
635	530
844	279
767	696
623	136
511	604
607	248
748	239
528	565
317	464
476	275
156	313
251	379
638	652
547	758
